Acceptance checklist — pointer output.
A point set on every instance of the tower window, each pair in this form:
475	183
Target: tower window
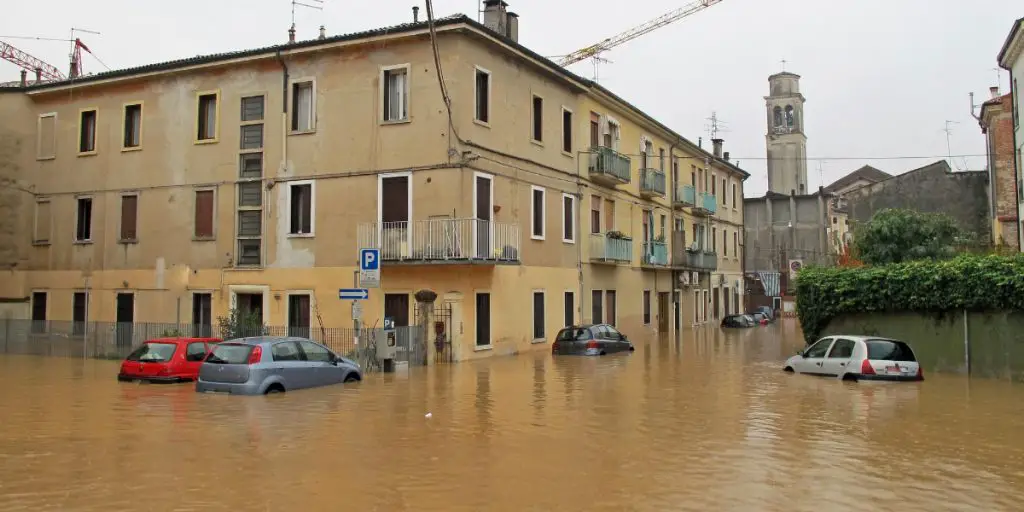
778	116
789	116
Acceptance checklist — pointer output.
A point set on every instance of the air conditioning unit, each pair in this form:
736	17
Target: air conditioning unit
696	278
684	278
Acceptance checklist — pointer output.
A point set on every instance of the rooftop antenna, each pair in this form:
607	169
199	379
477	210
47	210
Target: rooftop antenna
75	54
999	76
716	125
949	151
597	64
821	172
783	61
317	4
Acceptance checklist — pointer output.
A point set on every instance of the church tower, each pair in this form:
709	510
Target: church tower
786	142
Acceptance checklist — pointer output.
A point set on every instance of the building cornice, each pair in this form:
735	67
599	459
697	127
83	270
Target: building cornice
1013	46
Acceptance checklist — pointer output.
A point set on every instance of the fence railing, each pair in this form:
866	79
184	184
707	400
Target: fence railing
442	240
605	248
708	202
652	182
685	195
112	340
655	253
606	162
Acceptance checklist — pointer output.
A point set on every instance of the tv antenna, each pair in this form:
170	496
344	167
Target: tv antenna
317	4
949	151
715	125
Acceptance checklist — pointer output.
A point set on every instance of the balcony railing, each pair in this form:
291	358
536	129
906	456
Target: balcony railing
686	195
652	182
609	165
442	240
604	248
694	258
707	203
655	253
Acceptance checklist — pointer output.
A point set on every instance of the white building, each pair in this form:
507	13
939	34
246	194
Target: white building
1011	58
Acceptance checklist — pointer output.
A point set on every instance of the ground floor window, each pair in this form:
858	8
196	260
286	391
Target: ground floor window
483	319
647	307
597	297
202	314
39	312
538	315
610	300
570	309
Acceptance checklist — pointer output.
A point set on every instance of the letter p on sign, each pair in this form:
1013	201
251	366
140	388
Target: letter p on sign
369	259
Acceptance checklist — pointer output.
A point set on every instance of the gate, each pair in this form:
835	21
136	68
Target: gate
439	334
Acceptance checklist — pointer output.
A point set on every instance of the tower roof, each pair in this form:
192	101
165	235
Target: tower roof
783	74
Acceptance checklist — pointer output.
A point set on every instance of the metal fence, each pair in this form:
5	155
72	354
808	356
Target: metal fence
111	340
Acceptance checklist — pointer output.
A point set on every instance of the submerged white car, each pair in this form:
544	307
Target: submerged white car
857	358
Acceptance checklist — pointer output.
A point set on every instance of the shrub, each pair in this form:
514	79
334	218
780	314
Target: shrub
969	281
241	324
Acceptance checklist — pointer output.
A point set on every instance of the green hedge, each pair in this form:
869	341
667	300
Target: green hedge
969	281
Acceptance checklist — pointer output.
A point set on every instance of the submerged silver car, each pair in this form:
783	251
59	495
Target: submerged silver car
265	364
857	358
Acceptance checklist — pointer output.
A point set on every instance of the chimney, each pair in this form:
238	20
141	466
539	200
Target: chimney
323	32
726	156
513	26
716	145
415	14
495	16
24	78
39	75
994	90
73	71
700	142
291	34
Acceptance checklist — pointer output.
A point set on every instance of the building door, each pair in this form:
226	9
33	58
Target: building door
715	298
396	307
298	316
663	311
570	309
677	309
483	319
596	297
484	210
202	306
696	307
395	234
125	318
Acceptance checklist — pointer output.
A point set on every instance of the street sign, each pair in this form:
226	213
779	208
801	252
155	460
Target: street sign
357	310
369	268
353	294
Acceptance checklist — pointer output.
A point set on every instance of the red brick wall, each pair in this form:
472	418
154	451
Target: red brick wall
1001	159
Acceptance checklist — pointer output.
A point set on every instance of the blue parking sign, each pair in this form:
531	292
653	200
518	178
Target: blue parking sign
369	259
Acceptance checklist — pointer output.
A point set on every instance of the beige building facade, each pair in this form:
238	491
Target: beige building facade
526	197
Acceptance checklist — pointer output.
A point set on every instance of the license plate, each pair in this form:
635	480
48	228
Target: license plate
894	369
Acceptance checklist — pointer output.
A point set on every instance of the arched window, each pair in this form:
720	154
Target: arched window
778	116
790	116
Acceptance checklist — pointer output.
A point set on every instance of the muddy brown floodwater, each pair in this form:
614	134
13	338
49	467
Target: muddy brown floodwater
707	422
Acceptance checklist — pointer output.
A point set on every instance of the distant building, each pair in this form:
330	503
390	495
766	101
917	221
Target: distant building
996	121
1011	58
839	230
786	140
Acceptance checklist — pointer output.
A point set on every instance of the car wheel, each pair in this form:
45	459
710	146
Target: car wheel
849	377
274	389
351	378
788	369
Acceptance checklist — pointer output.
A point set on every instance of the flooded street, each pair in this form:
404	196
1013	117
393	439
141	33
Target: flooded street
708	422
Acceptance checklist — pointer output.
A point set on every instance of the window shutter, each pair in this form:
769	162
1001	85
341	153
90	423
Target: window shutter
204	214
129	217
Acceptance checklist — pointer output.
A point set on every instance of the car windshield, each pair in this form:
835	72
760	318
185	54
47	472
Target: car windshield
573	333
153	352
229	353
889	350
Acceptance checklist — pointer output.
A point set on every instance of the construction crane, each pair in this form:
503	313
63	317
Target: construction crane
595	50
43	70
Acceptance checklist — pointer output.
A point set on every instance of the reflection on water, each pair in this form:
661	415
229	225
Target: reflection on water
704	422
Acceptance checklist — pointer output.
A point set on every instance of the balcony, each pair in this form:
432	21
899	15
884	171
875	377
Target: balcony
611	248
694	258
655	254
707	204
442	241
686	197
608	166
652	183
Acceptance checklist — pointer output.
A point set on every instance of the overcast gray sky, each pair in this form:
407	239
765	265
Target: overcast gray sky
881	77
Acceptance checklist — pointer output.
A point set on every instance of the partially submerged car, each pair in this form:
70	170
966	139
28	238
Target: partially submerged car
166	360
857	358
738	321
590	340
271	364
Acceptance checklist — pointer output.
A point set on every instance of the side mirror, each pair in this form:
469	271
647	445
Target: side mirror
802	354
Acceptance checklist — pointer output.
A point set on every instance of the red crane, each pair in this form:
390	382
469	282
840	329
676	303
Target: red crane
43	70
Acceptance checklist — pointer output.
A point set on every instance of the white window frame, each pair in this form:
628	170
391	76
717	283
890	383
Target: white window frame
291	104
490	96
312	208
382	97
380	203
533	119
39	136
561	209
544	314
572	138
543	213
489	177
92	218
618	130
49	229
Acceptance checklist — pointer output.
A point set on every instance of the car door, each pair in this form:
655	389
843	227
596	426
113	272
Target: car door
290	366
616	341
195	352
838	357
322	370
814	357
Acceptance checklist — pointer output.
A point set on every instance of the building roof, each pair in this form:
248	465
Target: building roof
448	21
1013	41
867	173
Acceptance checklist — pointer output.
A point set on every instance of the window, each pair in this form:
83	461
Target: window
303	106
250	165
250	223
315	352
595	214
195	352
568	219
835	220
83	226
663	220
735	243
79	305
566	130
301	203
87	131
396	93
252	108
570	308
251	136
725	242
46	143
39	312
609	215
595	130
725	198
206	121
538	119
647	307
819	349
713	182
204	214
714	240
1016	104
734	195
129	217
132	126
596	298
538	315
43	221
483	96
537	214
202	314
610	299
661	159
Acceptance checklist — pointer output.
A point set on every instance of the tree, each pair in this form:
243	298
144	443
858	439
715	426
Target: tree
897	235
240	324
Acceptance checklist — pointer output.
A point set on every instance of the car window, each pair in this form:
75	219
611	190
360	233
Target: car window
572	333
612	333
285	351
230	353
819	349
153	353
196	351
315	352
842	349
889	350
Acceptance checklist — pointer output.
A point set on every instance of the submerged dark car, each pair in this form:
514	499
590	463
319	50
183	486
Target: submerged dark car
590	340
738	321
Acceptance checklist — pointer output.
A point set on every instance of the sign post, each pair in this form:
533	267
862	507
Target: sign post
369	268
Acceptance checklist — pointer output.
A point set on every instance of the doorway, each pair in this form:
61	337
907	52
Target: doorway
570	309
663	311
483	204
298	315
483	319
677	309
125	318
395	205
715	302
396	307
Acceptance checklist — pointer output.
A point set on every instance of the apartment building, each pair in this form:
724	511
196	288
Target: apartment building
1011	58
524	196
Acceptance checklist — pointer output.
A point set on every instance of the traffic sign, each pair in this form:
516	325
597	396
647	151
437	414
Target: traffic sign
353	294
369	268
357	310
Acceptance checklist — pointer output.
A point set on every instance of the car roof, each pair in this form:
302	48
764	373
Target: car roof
182	339
861	337
265	340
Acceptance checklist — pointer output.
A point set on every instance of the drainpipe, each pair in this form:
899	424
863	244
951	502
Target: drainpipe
671	240
579	235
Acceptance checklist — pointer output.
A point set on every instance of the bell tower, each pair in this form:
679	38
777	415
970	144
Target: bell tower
786	141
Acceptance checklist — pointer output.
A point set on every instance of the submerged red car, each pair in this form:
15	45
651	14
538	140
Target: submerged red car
166	360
